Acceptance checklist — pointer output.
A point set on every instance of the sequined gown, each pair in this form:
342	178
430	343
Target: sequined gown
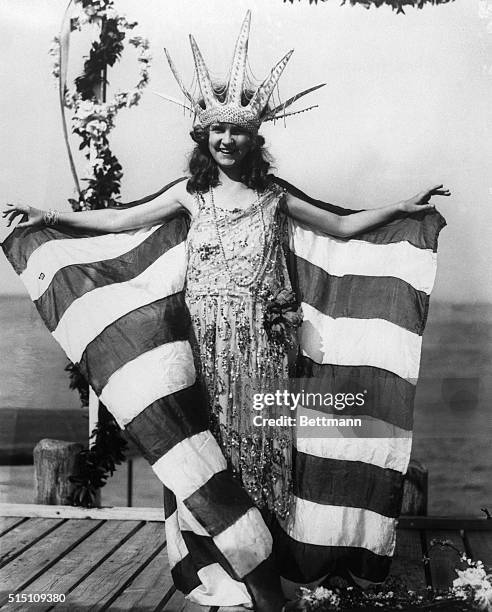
236	264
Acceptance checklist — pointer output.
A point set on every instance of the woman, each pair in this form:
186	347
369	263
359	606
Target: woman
236	271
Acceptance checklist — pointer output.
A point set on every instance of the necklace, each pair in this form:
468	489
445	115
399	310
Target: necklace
243	282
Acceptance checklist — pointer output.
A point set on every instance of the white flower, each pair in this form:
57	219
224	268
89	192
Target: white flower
96	127
321	594
474	582
472	576
85	108
483	597
111	14
133	97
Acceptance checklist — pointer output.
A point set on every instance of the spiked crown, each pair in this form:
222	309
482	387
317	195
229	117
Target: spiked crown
213	106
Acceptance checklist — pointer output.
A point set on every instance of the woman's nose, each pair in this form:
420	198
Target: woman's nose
227	137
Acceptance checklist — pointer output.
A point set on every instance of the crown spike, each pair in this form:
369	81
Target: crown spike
238	66
178	78
174	101
281	107
204	80
231	109
264	91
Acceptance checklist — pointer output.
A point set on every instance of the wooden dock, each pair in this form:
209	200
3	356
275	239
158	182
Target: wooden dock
115	558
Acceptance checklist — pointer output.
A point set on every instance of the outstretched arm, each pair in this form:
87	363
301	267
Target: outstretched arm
345	226
150	213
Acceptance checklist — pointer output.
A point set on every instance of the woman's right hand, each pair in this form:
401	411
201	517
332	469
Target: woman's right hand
35	216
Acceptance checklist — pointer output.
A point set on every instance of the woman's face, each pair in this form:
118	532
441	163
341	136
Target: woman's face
229	144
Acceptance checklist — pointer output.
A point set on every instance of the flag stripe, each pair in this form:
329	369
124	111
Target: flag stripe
349	296
219	589
328	525
167	422
155	374
56	262
170	504
82	278
357	257
391	453
202	570
23	242
357	342
227	507
165	320
246	543
347	483
303	562
421	229
202	549
185	576
190	464
316	424
388	396
106	304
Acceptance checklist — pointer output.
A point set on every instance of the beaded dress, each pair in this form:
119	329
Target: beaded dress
236	264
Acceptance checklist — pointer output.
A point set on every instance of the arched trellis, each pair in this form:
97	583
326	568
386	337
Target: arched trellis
397	5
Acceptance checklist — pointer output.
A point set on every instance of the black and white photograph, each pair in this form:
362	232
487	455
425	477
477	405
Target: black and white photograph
246	305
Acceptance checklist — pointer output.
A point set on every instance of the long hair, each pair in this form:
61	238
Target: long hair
203	169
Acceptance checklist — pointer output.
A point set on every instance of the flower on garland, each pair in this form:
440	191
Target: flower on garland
319	599
282	318
474	583
54	51
472	590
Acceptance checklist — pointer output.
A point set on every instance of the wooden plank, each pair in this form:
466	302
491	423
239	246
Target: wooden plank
112	576
20	538
38	558
8	523
408	562
443	560
479	545
445	522
71	512
150	590
76	565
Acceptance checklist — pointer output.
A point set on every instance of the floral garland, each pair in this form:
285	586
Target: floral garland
99	462
396	5
92	120
471	590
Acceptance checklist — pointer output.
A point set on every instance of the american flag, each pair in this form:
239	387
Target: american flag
115	303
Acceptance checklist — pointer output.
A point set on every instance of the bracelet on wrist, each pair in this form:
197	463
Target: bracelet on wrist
51	217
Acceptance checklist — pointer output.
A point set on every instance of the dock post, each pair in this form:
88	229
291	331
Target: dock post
54	462
415	490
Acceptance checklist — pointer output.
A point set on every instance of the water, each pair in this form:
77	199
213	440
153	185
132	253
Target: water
453	413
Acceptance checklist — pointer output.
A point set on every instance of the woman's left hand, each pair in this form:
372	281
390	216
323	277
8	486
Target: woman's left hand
421	202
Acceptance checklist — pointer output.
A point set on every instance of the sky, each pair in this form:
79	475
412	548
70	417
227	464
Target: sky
406	105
